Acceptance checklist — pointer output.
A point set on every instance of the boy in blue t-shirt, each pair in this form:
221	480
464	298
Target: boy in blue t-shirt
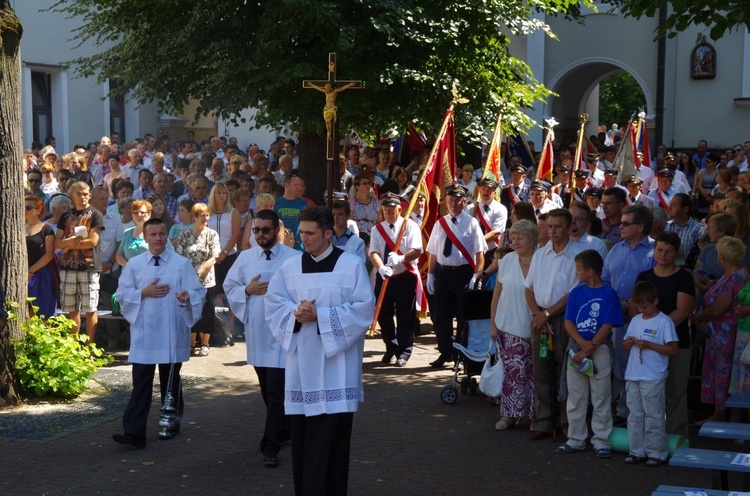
592	311
651	339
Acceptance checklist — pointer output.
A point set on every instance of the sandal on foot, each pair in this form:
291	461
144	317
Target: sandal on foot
654	462
196	351
634	460
603	453
203	351
505	423
566	449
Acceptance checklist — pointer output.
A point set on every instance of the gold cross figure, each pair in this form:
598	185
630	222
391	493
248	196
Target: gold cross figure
331	87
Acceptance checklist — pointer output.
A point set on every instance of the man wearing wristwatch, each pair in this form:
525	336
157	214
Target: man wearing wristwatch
548	283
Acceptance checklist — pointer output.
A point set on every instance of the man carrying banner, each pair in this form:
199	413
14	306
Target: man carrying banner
492	216
405	289
664	193
456	249
517	190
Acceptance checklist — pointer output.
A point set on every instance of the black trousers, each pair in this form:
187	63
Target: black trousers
450	284
320	453
271	381
136	413
400	298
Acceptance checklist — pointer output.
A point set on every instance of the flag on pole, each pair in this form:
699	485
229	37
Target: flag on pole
440	171
548	158
416	140
625	160
644	141
493	157
518	146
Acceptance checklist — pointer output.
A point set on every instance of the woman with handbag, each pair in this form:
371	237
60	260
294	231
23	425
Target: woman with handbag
43	273
510	326
200	245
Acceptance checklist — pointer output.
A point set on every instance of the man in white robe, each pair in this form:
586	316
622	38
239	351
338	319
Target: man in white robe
160	295
319	308
245	286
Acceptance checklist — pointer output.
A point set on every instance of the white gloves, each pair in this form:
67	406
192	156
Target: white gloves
395	259
431	283
385	271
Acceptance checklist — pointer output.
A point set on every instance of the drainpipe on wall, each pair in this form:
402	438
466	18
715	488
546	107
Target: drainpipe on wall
660	69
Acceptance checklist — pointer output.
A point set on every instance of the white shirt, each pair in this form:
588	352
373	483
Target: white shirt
496	216
649	365
551	275
589	242
646	175
324	359
159	327
467	231
262	349
412	240
111	235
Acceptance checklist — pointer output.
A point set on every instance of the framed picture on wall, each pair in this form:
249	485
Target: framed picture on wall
703	60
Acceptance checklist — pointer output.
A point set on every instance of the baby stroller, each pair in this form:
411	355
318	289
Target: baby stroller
471	345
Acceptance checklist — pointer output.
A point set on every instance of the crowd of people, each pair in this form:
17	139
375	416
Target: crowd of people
601	290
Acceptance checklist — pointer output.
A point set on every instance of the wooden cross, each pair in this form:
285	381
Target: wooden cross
331	87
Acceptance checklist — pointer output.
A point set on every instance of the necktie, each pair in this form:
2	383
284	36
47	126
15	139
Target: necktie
632	199
537	212
486	209
448	245
156	261
267	253
393	227
388	248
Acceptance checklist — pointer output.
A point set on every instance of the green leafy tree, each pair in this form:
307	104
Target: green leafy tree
232	54
720	16
620	97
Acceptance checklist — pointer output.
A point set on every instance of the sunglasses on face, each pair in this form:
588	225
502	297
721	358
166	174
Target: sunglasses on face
264	230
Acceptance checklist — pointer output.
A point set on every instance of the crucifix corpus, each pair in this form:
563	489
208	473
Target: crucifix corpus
331	87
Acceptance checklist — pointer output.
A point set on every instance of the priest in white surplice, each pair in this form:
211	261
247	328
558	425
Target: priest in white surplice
160	295
319	308
245	286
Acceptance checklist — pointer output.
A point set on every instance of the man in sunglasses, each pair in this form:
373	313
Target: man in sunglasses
245	287
34	180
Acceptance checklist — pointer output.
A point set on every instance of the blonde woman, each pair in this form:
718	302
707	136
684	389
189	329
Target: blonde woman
229	228
200	245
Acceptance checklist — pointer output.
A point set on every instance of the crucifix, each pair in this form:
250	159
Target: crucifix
331	87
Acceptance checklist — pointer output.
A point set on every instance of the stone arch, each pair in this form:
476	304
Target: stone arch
576	82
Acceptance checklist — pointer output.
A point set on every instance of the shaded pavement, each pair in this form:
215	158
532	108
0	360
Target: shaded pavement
405	441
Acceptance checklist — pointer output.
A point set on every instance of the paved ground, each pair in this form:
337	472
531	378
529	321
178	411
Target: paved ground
405	441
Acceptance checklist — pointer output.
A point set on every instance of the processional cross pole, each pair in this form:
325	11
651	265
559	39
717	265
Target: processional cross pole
331	87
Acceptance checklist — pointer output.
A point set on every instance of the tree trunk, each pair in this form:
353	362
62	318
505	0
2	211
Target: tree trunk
13	256
312	164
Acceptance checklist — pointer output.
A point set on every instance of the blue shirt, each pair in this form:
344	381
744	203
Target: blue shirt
288	210
623	264
591	308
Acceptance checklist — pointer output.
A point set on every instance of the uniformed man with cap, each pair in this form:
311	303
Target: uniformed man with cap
517	190
539	197
405	287
679	181
635	196
580	185
610	181
665	191
491	214
563	188
456	249
596	178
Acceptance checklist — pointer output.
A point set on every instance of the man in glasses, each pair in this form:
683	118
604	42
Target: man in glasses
245	287
34	180
613	201
627	259
739	158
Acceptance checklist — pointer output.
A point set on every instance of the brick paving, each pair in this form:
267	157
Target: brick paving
405	441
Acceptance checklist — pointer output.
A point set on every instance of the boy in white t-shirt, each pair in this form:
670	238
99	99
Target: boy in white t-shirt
651	338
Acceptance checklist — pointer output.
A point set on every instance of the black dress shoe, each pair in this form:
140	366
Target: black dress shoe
388	356
441	360
126	439
270	459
